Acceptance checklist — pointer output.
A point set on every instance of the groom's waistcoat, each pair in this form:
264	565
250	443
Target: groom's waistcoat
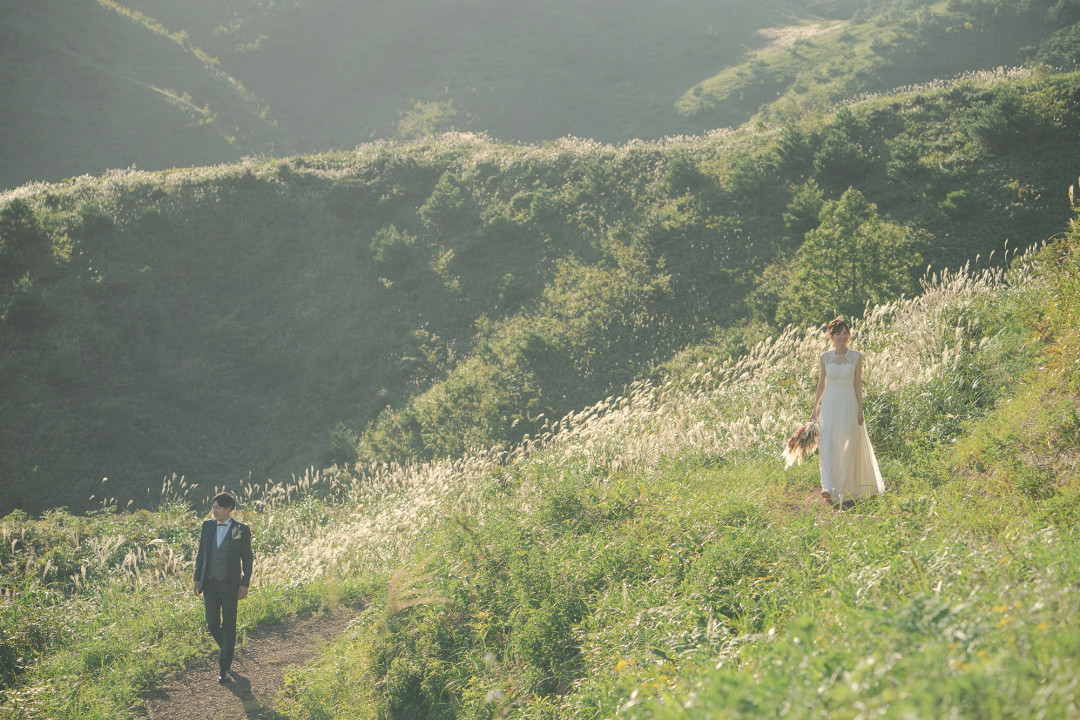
217	563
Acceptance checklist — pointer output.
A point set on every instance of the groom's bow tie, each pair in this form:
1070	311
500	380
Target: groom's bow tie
224	524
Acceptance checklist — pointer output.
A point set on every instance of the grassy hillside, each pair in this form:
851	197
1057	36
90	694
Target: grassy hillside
521	72
648	557
87	87
106	84
813	65
250	321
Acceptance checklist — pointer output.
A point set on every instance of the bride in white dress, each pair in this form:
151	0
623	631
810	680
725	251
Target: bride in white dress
849	469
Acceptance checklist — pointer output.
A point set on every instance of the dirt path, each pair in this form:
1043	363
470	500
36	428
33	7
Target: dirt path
258	670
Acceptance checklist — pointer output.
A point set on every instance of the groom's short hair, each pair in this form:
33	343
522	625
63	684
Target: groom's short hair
225	500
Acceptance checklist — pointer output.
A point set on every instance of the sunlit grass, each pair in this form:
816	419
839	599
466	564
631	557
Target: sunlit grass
645	554
676	568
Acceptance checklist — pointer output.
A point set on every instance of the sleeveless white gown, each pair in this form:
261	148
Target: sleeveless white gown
849	469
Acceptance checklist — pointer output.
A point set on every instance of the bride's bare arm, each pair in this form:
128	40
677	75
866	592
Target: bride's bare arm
858	387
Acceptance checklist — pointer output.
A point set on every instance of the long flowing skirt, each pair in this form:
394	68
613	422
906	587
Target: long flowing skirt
849	469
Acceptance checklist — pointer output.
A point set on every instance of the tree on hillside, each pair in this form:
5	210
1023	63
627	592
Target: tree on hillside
847	154
23	241
852	258
24	248
448	208
425	119
393	250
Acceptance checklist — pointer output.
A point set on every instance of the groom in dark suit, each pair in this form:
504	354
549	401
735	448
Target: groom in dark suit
223	568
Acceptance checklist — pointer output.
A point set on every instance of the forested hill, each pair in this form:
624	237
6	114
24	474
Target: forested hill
416	300
95	84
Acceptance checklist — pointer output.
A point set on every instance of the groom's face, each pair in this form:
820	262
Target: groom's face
221	514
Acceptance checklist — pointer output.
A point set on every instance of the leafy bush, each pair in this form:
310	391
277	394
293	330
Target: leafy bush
23	240
803	213
22	307
393	250
846	156
448	208
426	118
512	291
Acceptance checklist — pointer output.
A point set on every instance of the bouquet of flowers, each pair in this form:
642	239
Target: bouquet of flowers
803	442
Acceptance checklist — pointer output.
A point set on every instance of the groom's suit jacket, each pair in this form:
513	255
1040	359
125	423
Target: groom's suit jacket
238	540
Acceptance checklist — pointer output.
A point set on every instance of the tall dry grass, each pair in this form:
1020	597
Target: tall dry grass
730	406
341	520
374	514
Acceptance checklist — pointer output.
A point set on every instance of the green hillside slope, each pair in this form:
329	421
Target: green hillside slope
810	66
649	557
338	73
87	88
93	85
589	69
250	321
520	72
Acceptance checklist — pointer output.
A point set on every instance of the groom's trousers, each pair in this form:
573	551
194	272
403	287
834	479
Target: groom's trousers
220	599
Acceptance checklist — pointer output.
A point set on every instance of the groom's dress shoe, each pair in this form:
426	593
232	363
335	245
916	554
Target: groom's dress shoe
222	679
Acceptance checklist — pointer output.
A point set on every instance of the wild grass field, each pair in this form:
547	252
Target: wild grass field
647	556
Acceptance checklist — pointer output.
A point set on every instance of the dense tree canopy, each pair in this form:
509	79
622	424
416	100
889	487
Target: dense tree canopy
852	258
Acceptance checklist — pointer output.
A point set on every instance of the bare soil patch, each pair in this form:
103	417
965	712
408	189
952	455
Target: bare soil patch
258	672
787	36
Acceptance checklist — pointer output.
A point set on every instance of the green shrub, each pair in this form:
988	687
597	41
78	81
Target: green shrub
512	292
23	240
393	251
448	207
803	213
846	154
22	306
342	447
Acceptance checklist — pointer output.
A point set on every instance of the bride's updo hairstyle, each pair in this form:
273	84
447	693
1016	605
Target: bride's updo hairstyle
837	325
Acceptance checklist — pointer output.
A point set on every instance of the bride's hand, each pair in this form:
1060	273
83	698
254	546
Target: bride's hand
860	417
